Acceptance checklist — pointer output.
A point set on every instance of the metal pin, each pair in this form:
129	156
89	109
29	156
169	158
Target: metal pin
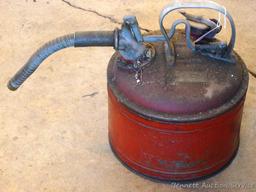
138	73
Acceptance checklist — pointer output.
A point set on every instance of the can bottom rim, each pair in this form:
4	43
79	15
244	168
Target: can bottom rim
172	181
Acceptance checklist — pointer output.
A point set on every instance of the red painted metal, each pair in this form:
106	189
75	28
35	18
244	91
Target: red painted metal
173	151
183	121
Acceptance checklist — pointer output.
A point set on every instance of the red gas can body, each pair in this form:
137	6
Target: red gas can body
182	121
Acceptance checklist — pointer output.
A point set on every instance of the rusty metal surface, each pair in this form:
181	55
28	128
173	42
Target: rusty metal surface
194	88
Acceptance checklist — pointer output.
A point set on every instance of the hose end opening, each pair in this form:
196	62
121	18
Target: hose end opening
11	86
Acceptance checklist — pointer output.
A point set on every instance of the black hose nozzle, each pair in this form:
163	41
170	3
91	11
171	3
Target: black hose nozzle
79	39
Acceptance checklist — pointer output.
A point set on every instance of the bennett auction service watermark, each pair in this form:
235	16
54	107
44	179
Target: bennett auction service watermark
215	185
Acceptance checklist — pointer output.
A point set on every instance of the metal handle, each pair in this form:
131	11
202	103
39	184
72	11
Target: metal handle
198	5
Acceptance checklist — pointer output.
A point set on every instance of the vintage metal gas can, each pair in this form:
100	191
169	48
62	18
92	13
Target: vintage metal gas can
175	99
182	121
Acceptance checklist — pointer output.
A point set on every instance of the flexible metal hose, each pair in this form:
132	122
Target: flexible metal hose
80	39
